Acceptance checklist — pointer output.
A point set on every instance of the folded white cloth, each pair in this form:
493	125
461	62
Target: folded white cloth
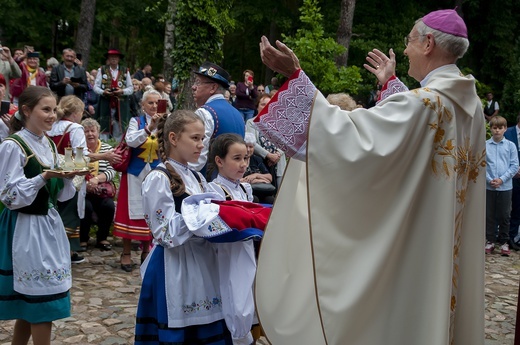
201	215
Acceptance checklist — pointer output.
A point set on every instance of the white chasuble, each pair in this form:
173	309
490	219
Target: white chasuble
378	238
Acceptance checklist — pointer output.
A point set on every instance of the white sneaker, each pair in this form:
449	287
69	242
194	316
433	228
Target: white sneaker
489	247
504	249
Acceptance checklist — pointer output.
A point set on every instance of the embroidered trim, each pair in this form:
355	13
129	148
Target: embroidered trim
205	304
452	160
57	275
287	120
392	86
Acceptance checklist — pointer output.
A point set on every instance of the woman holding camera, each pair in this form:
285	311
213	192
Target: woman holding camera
246	95
99	201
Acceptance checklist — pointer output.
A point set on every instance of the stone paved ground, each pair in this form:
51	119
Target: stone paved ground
104	300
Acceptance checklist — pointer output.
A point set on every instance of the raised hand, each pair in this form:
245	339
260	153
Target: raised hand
281	60
380	65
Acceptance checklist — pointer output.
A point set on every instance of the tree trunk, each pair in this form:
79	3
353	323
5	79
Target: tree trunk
346	19
169	40
85	27
185	100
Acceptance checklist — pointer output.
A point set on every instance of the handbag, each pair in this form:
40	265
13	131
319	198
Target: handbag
106	189
125	151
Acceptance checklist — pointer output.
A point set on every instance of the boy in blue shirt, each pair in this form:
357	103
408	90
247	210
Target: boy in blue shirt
502	165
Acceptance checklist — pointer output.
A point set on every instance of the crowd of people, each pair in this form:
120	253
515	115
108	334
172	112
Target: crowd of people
199	187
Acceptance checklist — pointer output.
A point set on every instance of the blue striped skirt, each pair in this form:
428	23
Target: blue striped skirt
152	319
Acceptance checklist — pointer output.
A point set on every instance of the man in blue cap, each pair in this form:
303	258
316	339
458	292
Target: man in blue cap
211	82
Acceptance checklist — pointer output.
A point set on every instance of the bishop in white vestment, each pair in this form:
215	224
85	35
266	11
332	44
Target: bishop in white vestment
377	233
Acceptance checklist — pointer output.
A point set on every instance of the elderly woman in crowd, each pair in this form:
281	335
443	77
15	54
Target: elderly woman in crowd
272	156
129	223
99	201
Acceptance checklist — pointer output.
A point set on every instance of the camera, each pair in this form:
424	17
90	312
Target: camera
5	107
113	89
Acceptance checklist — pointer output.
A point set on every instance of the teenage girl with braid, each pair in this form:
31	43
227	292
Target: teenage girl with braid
180	299
228	155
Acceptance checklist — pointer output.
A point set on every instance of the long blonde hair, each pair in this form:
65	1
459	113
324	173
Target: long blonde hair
69	105
176	122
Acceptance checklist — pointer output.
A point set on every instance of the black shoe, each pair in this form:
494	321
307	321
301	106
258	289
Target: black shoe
126	267
76	258
104	246
514	246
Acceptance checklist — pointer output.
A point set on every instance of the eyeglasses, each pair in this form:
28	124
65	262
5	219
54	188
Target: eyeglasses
260	90
408	38
199	82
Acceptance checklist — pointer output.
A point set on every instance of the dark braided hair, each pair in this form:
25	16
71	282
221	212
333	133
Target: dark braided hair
173	123
219	147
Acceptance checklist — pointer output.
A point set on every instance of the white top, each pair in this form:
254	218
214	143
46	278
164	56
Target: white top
237	269
191	267
41	257
209	128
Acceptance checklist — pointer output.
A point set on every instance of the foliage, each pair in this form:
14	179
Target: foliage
317	53
228	33
200	26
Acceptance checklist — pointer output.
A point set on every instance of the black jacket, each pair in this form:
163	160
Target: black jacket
57	85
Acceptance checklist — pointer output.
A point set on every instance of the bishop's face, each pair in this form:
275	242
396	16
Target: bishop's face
414	52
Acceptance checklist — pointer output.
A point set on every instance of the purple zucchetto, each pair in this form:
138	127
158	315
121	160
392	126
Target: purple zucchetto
447	21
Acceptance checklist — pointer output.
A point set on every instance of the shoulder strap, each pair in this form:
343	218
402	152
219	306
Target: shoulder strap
199	179
215	118
63	136
243	188
23	145
27	150
228	195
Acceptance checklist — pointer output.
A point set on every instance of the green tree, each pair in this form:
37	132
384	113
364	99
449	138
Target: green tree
317	53
200	26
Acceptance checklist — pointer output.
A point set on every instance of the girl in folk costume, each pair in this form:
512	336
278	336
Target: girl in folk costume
236	260
35	272
67	132
180	301
129	223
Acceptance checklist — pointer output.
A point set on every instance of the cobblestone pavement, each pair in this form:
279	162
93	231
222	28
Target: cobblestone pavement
104	300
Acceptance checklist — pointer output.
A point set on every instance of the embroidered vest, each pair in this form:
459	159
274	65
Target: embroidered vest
48	195
490	109
226	118
122	107
148	152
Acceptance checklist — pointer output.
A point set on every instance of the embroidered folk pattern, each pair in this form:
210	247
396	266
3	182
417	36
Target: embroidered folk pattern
8	195
58	275
451	160
288	118
205	304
